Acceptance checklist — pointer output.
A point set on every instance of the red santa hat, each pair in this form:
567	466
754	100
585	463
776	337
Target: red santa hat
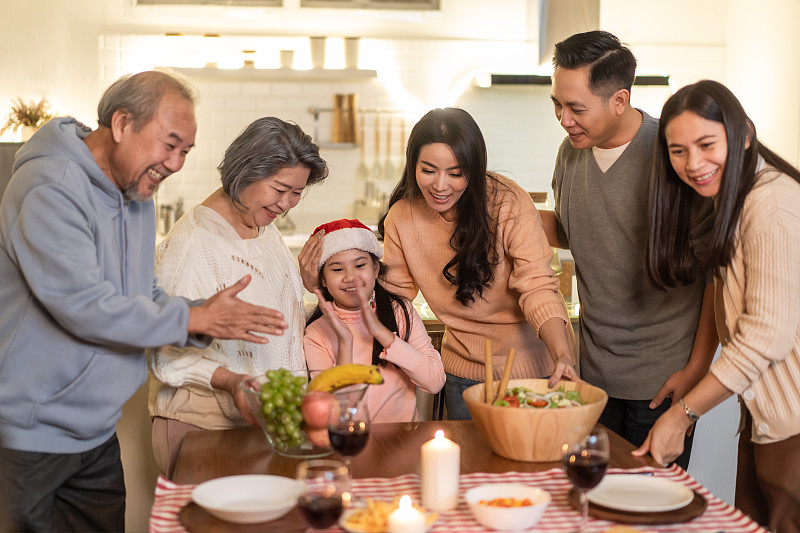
344	234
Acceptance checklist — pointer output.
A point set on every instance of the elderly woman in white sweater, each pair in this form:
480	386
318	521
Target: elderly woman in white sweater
230	234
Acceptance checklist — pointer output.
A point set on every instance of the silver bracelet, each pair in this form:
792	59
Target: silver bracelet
694	417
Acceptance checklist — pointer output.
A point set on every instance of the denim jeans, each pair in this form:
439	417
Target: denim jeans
632	419
64	492
453	400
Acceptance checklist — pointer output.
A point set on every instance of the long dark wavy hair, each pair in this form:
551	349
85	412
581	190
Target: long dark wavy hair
471	269
669	260
384	310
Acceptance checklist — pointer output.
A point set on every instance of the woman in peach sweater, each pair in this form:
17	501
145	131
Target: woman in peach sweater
708	147
471	241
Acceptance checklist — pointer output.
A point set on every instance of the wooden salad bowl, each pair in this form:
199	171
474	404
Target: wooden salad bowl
535	435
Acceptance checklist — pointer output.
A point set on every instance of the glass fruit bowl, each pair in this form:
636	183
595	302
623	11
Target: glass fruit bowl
278	409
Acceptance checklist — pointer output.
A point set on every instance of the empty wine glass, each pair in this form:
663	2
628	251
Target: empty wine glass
348	422
585	459
326	493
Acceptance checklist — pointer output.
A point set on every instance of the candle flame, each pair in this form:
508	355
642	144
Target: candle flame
405	502
439	435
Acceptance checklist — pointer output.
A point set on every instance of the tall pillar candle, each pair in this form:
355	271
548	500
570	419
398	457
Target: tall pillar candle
441	466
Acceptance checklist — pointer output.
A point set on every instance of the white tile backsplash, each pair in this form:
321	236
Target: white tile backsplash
522	134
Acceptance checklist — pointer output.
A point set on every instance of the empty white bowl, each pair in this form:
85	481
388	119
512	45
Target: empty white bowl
248	499
507	518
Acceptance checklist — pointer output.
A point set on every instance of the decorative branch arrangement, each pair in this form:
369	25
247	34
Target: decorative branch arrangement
32	114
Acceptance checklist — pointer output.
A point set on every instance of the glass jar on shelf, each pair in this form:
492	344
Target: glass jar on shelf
541	201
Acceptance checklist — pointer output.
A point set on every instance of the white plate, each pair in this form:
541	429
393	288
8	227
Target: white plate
631	492
248	499
348	512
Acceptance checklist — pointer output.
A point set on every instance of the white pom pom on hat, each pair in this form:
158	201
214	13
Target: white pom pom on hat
345	234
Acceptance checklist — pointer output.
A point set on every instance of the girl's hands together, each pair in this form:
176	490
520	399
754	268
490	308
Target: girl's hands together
343	333
380	332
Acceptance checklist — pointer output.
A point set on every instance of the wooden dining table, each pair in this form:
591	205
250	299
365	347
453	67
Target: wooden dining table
393	450
390	465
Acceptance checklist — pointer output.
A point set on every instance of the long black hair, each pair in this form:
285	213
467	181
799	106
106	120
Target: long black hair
672	201
385	301
471	269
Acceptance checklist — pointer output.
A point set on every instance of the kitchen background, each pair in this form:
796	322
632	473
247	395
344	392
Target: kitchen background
409	61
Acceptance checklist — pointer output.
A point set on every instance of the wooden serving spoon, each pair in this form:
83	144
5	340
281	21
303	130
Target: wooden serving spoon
506	372
489	385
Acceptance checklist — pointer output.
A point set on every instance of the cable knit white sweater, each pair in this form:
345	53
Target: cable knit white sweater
201	255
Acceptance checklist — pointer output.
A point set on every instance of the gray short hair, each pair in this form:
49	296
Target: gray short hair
140	94
264	148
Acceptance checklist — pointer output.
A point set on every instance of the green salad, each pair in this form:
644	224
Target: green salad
526	398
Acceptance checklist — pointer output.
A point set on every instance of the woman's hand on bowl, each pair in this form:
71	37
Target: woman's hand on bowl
564	371
224	379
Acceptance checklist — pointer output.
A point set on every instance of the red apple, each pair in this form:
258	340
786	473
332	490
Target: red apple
315	409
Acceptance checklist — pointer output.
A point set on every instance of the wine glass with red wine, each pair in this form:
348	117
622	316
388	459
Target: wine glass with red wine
348	423
585	461
327	492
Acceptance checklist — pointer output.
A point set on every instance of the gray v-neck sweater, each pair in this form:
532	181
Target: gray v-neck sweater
632	336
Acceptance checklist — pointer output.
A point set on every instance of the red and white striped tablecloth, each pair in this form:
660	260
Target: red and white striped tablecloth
559	517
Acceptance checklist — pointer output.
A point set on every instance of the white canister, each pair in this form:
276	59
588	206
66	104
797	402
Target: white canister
441	467
351	50
317	51
287	58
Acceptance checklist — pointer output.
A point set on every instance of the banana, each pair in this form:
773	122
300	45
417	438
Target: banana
337	377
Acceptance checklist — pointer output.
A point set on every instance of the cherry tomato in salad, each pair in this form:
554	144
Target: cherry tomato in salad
538	402
512	400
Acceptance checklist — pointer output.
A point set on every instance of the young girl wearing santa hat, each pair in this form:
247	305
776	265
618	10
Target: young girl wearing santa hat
359	321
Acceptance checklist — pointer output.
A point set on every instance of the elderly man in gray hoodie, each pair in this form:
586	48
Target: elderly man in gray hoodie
80	302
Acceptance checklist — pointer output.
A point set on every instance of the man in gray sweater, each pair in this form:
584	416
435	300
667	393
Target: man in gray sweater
80	302
645	347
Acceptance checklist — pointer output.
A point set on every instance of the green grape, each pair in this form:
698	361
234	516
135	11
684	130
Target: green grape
281	401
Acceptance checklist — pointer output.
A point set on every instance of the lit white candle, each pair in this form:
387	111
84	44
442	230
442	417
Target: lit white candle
406	519
441	466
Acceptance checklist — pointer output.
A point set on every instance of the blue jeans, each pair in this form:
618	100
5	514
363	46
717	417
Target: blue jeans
632	419
454	402
64	492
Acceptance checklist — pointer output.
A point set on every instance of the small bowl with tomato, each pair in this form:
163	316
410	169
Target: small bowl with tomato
507	506
532	424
